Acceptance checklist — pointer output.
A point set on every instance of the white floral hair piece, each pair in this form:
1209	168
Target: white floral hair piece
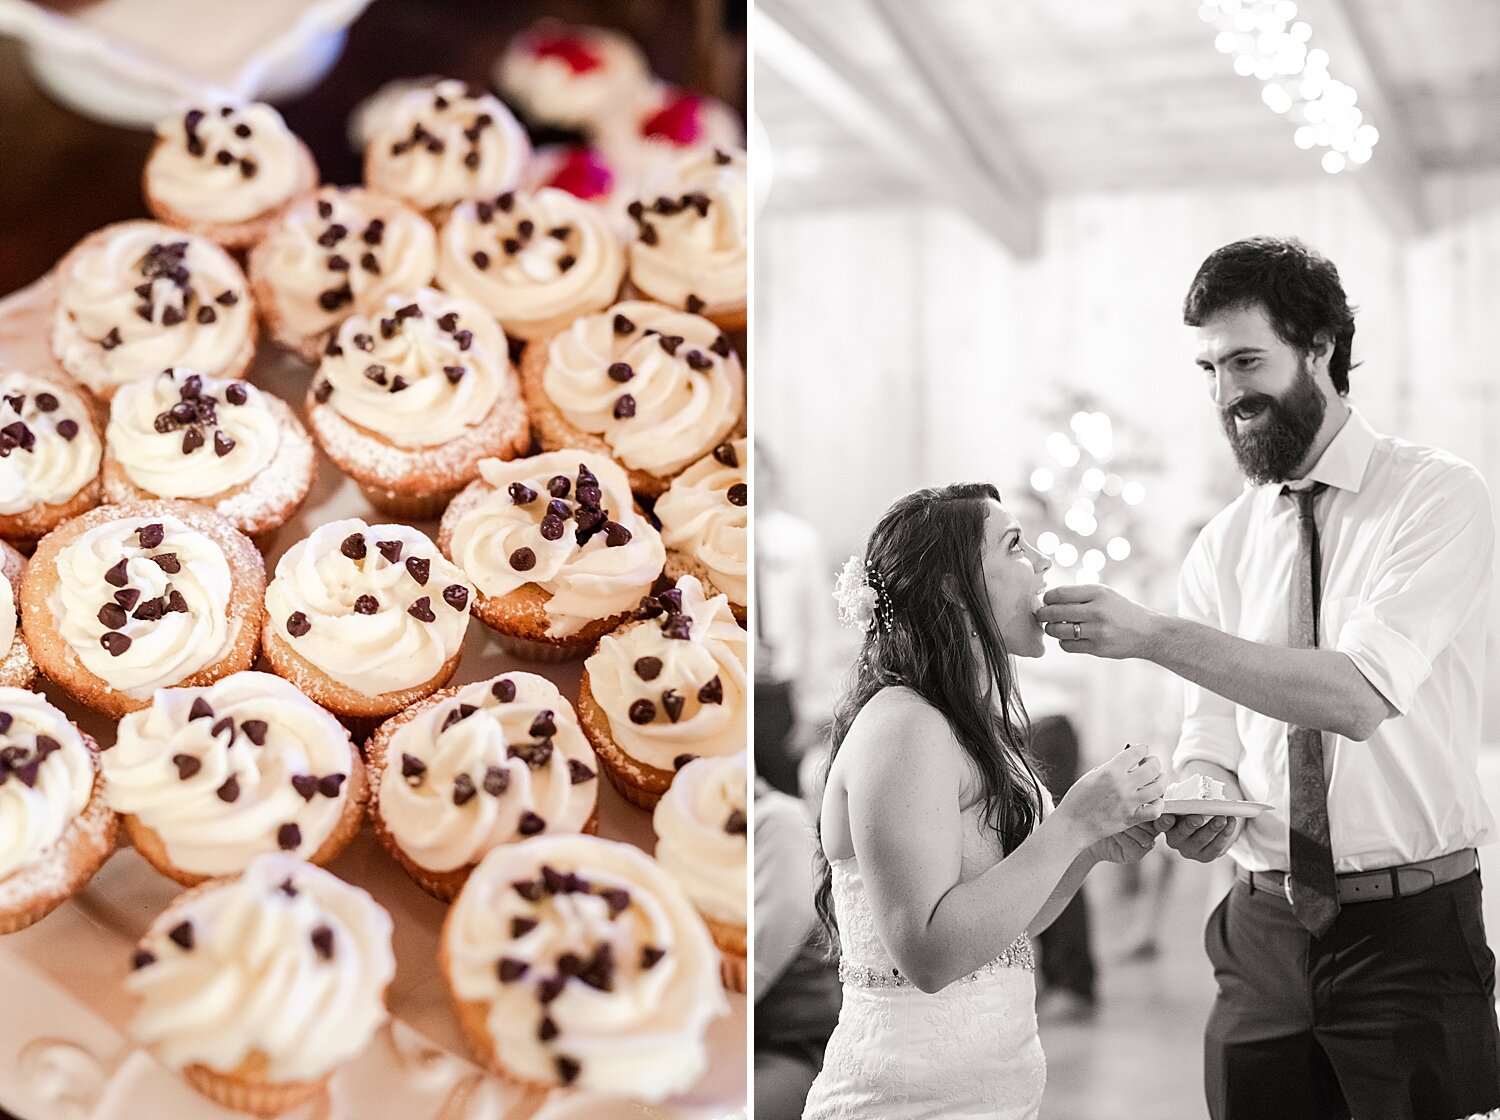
860	596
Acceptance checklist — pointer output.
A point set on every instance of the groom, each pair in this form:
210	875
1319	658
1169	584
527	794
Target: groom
1331	638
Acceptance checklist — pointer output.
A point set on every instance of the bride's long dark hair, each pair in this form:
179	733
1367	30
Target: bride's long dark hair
926	556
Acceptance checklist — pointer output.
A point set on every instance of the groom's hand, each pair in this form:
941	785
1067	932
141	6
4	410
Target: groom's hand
1092	618
1202	838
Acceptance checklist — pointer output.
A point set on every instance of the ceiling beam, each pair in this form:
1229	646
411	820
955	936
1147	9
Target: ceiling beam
1393	177
790	43
948	80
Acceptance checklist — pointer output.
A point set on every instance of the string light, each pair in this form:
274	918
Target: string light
1270	45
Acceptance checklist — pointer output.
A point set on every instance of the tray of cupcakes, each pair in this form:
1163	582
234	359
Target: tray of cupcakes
373	701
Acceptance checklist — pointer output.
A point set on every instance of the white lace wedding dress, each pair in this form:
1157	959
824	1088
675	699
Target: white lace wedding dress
970	1050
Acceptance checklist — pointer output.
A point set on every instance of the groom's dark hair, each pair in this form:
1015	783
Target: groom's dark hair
1299	289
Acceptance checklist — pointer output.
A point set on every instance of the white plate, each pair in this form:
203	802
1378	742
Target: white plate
1214	808
66	1056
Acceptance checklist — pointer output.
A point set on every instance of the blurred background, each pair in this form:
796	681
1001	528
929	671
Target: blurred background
979	223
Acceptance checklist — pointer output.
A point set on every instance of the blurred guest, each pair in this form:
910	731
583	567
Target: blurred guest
796	985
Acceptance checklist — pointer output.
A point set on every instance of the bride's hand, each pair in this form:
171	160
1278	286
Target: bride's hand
1129	846
1125	790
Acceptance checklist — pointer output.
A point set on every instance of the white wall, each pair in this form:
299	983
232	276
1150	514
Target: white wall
898	347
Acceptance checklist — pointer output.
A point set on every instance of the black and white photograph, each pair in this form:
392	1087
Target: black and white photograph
1127	719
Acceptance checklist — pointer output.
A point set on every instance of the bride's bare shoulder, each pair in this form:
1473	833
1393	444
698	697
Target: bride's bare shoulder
897	723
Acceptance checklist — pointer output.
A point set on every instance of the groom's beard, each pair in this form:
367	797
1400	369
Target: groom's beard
1272	448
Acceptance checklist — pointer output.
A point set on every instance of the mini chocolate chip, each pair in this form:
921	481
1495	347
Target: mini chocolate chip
448	322
558	486
523	559
698	360
456	596
353	546
127	597
182	934
323	391
255	731
418	567
328	784
463	789
568	1069
521	494
481	259
230	790
650	955
504	691
391	550
176	604
248	168
506	201
552	528
559	509
227	299
6	720
721	157
297	624
115	642
223	445
623	325
529	889
520	927
510	970
624	407
338	263
721	346
726	454
671	599
672	702
325	209
578	772
322	940
648	668
547	1030
648	234
375	373
670	343
678	627
496	780
455	374
201	709
366	604
617	898
370	264
306	785
112	339
736	825
167	562
682	760
398	383
332	235
544	726
141	958
413	768
192	439
223	158
112	616
67	428
421	610
621	372
463	338
150	610
207	315
288	837
694	304
237	393
642	711
615	534
389	327
565	262
186	765
530	824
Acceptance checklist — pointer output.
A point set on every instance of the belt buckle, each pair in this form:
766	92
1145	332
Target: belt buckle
1286	888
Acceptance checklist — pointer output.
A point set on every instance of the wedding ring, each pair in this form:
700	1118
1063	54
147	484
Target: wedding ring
1077	631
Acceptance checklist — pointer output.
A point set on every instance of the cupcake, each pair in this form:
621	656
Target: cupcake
653	388
409	399
662	123
58	829
17	669
338	253
702	839
666	689
136	297
567	76
256	989
556	549
226	171
704	524
209	779
471	768
216	442
534	261
49	454
366	619
691	236
440	145
578	961
131	598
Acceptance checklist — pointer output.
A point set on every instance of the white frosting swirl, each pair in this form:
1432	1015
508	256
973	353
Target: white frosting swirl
157	652
585	583
389	649
445	823
716	649
38	800
621	1027
108	332
55	466
255	980
394	373
446	143
323	269
237	795
229	444
701	835
699	519
679	413
696	212
664	121
570	262
569	74
225	162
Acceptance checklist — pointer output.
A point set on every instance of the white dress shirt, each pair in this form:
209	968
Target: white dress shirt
1407	542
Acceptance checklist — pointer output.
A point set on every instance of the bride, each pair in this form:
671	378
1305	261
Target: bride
941	852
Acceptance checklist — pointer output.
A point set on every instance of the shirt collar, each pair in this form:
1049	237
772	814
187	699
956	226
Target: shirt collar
1343	463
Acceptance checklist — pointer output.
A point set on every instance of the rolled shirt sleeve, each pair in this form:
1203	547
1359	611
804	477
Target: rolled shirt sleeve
1209	730
1433	579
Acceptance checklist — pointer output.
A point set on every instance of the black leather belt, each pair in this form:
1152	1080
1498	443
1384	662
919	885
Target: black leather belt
1387	882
